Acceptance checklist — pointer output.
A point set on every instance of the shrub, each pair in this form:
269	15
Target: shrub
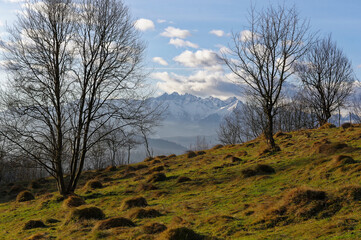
144	213
34	224
113	223
24	196
74	201
134	202
154	228
87	213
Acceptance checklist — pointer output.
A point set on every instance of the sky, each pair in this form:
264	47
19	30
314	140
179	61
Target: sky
184	37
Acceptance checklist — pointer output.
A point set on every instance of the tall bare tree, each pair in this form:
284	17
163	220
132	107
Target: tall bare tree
262	57
74	67
327	78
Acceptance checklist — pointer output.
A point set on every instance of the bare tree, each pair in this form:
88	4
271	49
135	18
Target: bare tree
263	56
327	78
230	129
74	67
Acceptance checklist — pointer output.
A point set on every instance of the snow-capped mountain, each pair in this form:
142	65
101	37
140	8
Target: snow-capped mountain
188	116
190	108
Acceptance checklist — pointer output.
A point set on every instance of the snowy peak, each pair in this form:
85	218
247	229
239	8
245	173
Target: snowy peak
188	107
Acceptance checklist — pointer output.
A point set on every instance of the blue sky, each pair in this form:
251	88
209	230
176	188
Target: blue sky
181	52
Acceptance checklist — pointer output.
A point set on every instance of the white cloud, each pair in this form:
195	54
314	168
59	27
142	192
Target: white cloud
1	23
143	24
173	32
202	83
181	43
218	33
160	61
161	21
245	35
14	1
201	58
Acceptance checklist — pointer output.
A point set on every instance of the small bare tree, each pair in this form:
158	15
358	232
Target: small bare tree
74	67
327	78
263	56
230	129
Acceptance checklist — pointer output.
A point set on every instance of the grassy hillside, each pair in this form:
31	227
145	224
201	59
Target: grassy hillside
310	189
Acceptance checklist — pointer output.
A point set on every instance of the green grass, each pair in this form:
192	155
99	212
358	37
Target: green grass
211	194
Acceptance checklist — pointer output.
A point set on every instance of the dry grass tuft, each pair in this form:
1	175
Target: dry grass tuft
113	223
24	196
154	228
190	154
340	160
182	179
140	213
110	169
134	202
157	177
180	233
142	187
93	184
302	204
350	193
218	146
73	201
87	213
259	169
38	236
33	224
330	148
15	189
327	126
346	125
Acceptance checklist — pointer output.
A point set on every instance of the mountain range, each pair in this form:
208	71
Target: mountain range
187	117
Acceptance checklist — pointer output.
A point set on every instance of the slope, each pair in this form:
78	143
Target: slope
308	190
